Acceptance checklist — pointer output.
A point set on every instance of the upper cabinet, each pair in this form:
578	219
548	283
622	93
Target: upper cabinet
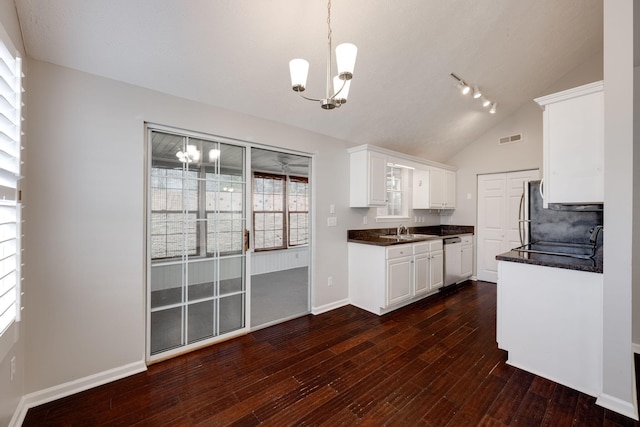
434	188
431	185
367	179
573	145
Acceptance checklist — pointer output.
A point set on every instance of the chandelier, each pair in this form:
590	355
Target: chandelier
345	61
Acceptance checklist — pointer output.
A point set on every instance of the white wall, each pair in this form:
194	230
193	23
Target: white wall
12	341
619	218
85	192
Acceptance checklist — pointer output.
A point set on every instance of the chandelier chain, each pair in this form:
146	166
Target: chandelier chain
329	21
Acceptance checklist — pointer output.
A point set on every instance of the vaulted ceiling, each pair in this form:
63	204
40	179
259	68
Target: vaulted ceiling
234	54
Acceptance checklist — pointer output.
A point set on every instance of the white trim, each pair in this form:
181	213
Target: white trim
617	405
37	398
328	307
397	155
570	93
635	347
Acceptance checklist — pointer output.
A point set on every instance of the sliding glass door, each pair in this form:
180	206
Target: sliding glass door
196	241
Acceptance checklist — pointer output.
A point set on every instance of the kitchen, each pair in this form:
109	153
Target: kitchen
126	333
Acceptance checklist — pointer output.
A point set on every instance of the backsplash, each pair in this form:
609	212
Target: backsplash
560	225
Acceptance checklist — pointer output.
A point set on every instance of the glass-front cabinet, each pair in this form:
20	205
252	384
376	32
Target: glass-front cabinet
196	221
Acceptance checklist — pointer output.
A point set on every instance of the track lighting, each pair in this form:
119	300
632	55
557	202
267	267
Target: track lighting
465	88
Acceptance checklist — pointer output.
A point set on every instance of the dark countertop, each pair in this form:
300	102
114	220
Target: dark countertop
557	261
372	236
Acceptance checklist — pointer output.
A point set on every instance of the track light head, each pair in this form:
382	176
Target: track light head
492	110
476	92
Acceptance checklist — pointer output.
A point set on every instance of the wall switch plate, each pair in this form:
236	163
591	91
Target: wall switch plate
330	281
332	221
364	220
332	208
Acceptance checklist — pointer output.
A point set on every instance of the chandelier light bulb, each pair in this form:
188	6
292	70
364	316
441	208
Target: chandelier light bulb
299	69
346	60
341	89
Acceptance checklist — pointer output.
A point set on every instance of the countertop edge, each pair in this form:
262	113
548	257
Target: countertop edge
567	263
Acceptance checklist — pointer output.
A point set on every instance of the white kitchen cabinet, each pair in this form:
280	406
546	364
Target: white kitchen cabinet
434	189
421	268
399	279
549	320
420	194
436	265
467	256
382	279
573	145
367	179
449	189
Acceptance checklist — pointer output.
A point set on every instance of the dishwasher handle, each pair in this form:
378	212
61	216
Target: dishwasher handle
451	240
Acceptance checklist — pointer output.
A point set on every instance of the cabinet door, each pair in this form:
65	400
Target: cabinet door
421	274
399	279
467	261
436	188
436	268
573	145
449	189
420	189
377	179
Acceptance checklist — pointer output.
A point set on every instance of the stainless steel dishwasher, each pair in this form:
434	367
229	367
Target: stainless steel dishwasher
452	260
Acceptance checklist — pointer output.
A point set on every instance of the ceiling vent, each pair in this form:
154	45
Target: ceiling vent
510	139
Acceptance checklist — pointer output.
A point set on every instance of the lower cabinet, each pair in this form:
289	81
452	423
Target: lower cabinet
382	279
466	269
549	320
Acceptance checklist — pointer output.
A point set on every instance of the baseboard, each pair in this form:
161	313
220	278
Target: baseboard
37	398
329	307
636	348
617	405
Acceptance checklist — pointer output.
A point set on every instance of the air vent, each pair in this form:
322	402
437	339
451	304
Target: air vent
510	139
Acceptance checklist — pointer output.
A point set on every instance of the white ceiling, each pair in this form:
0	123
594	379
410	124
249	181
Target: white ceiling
235	53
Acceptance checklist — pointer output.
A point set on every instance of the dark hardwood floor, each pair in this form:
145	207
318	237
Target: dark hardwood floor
434	363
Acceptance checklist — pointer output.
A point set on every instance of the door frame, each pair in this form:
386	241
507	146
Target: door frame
149	127
480	252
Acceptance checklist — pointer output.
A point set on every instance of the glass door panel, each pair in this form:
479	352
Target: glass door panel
197	219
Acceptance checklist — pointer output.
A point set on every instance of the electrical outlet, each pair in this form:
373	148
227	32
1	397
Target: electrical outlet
364	220
330	281
13	367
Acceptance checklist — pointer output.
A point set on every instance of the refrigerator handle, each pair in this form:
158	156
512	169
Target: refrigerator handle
520	220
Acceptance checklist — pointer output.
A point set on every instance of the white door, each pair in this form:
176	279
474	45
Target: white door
421	274
436	264
399	279
498	207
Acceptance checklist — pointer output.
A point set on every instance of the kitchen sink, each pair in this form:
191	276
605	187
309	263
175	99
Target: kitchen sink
409	237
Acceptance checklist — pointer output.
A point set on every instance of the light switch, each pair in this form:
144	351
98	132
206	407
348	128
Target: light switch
332	208
332	221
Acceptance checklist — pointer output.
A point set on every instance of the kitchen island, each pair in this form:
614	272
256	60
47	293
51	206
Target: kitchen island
549	317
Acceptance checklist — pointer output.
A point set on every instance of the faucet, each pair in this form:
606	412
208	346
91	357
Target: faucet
401	230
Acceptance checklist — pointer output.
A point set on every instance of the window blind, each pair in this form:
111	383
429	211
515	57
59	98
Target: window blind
10	146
